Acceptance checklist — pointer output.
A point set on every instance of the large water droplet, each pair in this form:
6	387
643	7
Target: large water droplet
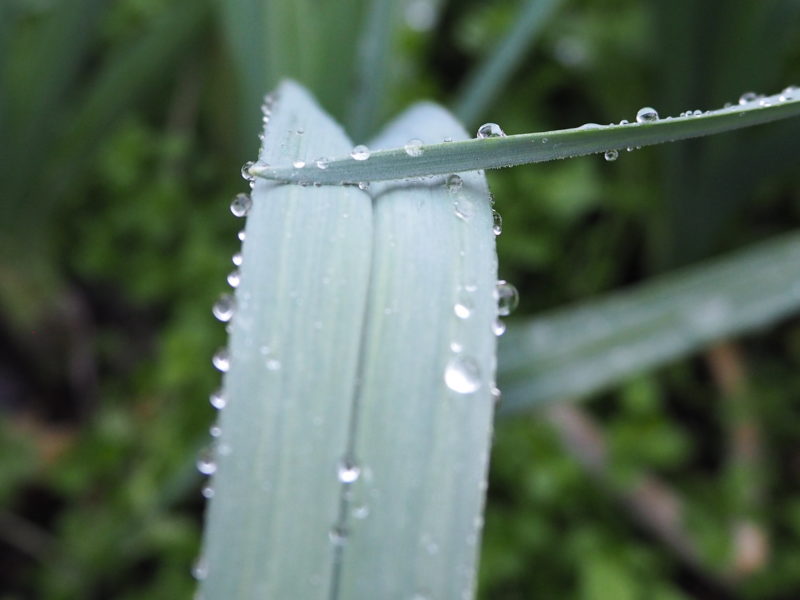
234	278
414	147
462	374
507	298
224	308
241	204
748	97
360	152
200	569
218	399
611	155
221	360
497	222
348	471
205	461
646	114
490	130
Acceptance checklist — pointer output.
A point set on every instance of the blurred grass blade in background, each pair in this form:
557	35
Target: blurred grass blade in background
355	436
422	428
499	150
576	351
490	77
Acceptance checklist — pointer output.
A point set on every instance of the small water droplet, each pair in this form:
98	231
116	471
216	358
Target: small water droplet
338	536
748	97
646	114
360	511
463	308
215	431
764	102
611	155
363	185
241	204
497	222
224	308
497	395
234	278
273	364
462	374
414	147
348	471
360	152
507	298
221	360
200	569
591	126
464	208
207	492
454	182
490	130
237	259
218	399
205	461
456	347
246	175
498	327
447	140
323	162
241	235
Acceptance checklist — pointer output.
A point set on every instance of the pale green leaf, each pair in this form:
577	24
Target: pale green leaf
579	350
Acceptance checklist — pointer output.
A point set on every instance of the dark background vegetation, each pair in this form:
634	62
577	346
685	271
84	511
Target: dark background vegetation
120	149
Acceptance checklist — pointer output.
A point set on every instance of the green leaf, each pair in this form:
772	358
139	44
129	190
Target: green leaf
341	431
491	76
528	148
576	351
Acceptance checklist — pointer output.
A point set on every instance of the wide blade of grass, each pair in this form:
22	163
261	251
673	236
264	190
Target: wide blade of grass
413	519
528	148
294	349
490	77
579	350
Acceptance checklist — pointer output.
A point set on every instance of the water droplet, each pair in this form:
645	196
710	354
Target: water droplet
464	208
237	259
462	374
748	97
623	122
497	395
497	222
322	163
241	204
463	308
348	471
221	360
490	130
360	511
273	364
234	278
363	185
447	140
611	155
207	492
414	147
507	298
646	114
360	152
591	126
218	399
498	327
697	113
454	182
241	235
205	461
338	536
298	164
789	93
246	175
764	102
456	347
200	569
215	431
224	307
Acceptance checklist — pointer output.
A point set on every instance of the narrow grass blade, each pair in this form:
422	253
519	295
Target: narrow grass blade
489	79
413	518
372	67
294	350
579	350
528	148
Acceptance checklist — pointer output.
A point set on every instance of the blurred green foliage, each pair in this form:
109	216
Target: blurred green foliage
121	143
